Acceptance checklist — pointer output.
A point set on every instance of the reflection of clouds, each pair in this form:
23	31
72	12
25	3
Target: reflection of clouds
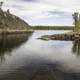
54	51
42	11
30	0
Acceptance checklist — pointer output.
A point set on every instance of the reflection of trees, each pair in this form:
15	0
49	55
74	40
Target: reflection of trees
76	47
9	42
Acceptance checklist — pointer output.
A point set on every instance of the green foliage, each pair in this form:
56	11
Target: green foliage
76	17
53	27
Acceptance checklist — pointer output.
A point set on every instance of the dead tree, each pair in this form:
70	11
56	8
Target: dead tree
1	3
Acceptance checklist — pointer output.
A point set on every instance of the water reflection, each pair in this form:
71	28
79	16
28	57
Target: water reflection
76	47
10	42
37	59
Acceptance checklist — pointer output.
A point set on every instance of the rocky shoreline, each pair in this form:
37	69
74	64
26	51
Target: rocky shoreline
66	36
3	32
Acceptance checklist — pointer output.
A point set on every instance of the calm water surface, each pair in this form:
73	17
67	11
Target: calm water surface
24	57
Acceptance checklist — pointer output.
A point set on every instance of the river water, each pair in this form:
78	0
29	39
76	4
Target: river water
24	57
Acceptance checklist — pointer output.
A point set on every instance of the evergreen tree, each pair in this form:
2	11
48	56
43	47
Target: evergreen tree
76	17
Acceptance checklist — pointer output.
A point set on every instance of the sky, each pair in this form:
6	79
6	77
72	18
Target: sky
43	12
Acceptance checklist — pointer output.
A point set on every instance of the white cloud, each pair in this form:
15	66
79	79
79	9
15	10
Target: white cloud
38	11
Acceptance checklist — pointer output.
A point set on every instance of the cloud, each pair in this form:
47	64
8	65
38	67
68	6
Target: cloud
63	3
43	11
29	0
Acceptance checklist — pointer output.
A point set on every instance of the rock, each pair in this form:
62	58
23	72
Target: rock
9	21
67	36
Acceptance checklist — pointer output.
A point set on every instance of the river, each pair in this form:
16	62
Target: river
25	57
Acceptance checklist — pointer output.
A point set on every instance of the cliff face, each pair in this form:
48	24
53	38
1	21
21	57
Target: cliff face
12	22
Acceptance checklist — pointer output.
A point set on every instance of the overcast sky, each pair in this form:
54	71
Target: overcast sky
43	12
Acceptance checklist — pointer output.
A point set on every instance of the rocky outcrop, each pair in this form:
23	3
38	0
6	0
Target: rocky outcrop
10	22
66	36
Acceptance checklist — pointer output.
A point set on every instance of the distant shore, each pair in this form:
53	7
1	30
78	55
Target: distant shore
53	27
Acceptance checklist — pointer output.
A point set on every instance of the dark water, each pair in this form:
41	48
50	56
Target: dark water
24	57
